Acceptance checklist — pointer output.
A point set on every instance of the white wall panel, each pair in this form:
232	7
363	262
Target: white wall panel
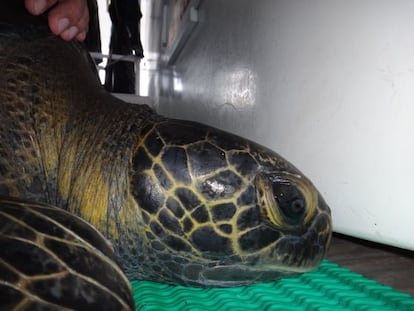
327	84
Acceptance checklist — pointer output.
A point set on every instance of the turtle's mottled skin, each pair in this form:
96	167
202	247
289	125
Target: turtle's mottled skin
181	202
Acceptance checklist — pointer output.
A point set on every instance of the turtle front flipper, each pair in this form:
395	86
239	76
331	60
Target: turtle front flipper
53	260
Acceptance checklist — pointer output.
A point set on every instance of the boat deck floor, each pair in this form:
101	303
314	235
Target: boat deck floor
388	265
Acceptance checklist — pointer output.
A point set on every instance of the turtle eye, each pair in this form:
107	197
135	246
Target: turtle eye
280	201
290	201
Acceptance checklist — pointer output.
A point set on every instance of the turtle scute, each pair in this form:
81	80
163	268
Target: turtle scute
53	260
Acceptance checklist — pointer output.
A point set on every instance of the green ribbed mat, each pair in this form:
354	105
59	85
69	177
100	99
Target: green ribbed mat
330	287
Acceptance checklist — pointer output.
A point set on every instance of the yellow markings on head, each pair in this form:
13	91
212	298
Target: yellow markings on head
188	214
311	196
236	232
268	205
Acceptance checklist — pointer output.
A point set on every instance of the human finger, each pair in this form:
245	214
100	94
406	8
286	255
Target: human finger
69	18
37	7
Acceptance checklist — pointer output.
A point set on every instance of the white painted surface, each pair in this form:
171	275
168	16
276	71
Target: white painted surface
327	84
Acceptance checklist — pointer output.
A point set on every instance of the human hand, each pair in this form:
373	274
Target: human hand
67	18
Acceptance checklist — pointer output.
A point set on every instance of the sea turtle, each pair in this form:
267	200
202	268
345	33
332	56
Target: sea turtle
179	201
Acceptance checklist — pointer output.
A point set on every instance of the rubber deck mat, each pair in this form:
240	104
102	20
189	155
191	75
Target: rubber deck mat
328	288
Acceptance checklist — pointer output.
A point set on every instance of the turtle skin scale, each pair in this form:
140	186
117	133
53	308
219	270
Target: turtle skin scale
181	202
47	252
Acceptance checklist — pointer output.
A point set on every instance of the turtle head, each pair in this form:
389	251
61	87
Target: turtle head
281	225
219	210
